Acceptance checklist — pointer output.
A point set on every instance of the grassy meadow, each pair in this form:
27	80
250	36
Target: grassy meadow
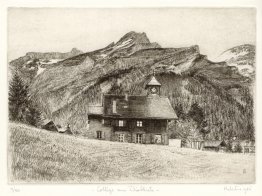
40	156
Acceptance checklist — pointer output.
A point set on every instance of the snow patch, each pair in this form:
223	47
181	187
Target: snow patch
31	68
123	44
30	61
229	55
103	55
51	61
245	70
40	70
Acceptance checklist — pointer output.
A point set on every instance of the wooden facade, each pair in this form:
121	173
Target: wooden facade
131	131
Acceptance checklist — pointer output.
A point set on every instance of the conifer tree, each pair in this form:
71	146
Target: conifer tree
197	114
179	111
33	116
21	108
229	146
18	99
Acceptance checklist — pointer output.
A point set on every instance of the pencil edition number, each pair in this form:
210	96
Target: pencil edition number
15	189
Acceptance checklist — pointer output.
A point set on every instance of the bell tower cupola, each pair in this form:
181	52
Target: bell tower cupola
153	86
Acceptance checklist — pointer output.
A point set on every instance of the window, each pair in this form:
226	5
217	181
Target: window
139	138
139	123
120	123
99	134
121	137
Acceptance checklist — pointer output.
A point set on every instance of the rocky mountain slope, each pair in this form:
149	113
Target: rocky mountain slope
242	57
34	63
66	88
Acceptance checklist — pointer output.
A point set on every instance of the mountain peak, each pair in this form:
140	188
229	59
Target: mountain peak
75	51
139	38
245	48
242	57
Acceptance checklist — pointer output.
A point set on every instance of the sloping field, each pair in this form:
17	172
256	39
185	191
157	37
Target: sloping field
37	155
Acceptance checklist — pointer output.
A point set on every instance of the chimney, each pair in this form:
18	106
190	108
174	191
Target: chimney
126	96
114	107
118	81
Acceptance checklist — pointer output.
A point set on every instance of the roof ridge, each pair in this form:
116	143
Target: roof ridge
124	95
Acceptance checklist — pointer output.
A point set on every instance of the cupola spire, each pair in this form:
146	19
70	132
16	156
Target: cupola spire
153	86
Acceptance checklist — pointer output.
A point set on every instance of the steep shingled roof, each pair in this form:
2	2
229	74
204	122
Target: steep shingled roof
145	107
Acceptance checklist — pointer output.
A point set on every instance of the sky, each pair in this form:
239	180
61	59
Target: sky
61	29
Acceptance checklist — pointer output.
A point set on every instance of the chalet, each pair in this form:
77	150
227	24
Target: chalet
214	145
49	125
133	119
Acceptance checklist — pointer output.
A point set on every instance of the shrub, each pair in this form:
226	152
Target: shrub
229	147
238	148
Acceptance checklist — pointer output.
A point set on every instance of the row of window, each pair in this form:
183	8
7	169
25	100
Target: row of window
121	138
138	138
122	123
138	123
